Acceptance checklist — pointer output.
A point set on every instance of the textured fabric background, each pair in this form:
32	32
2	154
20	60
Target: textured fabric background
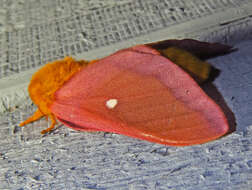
34	32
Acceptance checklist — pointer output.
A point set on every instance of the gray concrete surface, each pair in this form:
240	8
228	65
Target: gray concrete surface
33	32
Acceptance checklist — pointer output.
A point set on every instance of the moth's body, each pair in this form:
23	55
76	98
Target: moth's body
95	98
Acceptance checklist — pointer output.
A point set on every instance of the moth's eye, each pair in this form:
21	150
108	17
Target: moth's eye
111	103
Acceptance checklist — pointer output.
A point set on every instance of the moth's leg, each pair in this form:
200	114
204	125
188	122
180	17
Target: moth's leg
36	116
53	120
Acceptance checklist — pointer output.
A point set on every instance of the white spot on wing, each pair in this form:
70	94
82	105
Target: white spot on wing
111	103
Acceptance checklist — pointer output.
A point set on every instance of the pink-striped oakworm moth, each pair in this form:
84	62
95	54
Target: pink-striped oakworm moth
137	92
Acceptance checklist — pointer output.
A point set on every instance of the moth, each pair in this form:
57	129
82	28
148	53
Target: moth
150	92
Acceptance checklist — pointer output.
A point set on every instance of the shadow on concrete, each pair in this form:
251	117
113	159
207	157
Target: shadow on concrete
212	92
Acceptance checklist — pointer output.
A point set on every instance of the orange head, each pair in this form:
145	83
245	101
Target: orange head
46	81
